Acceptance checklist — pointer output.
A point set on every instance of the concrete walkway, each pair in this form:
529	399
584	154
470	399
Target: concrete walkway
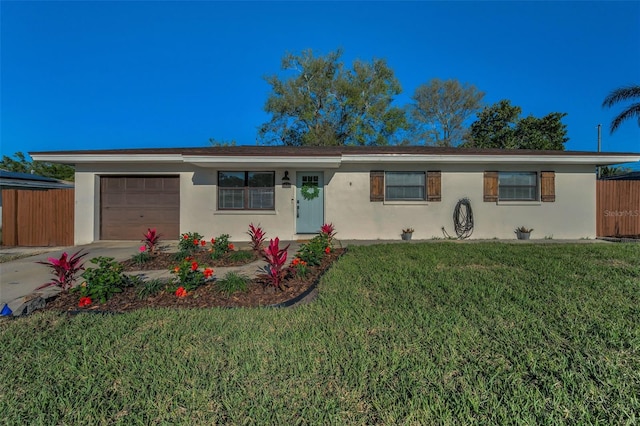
19	278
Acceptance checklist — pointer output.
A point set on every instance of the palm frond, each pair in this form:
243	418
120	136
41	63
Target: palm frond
631	111
621	94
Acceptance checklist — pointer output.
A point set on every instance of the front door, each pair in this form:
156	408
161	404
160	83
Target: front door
309	202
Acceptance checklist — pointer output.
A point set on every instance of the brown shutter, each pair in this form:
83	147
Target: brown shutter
376	188
548	186
490	186
434	185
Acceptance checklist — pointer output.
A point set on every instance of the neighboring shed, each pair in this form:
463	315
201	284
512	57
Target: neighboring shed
35	210
626	176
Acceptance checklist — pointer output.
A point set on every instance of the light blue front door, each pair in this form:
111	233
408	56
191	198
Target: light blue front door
309	202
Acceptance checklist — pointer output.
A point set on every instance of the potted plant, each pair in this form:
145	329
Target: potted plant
523	233
407	233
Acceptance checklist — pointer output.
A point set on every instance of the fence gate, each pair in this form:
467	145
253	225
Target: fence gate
617	208
37	218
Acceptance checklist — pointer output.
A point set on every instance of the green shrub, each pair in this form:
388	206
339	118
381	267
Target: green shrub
150	288
221	246
189	276
190	242
299	268
141	258
313	251
103	282
233	282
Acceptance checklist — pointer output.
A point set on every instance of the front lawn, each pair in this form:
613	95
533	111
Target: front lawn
433	333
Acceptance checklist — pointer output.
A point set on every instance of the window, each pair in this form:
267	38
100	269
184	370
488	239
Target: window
405	186
246	190
517	186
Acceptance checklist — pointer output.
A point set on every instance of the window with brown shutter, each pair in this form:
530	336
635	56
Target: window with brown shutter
518	186
548	186
376	185
434	186
405	186
491	186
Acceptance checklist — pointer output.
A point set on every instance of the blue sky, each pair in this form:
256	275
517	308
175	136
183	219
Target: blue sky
100	75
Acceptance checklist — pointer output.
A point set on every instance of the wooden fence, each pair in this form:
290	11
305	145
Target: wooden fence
617	208
37	218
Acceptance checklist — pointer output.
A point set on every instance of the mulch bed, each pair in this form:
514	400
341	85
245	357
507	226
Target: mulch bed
259	293
167	260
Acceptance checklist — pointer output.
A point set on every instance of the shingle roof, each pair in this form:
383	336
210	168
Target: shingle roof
289	151
27	180
25	176
626	176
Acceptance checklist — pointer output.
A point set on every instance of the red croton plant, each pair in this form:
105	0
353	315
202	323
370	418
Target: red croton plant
276	259
151	240
328	231
257	235
65	270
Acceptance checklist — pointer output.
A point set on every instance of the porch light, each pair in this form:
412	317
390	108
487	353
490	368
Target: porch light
286	182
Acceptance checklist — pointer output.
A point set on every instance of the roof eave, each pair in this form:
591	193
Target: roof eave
106	158
596	159
329	162
334	161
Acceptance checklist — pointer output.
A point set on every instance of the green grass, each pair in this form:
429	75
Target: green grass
434	333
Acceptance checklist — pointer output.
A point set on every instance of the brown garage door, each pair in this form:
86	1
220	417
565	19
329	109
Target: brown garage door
131	204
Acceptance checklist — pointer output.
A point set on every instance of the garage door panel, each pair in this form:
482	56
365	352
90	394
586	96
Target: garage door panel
112	185
125	215
136	233
134	184
172	185
154	184
131	204
158	200
112	200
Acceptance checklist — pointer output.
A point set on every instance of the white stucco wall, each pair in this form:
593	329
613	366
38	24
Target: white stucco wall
347	203
572	215
198	202
199	212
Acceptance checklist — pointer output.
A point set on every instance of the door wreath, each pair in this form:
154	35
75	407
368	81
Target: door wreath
309	191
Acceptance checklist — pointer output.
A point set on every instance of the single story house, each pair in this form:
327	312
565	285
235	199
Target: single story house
366	192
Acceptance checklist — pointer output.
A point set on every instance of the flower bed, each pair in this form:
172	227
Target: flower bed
193	283
167	260
259	293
